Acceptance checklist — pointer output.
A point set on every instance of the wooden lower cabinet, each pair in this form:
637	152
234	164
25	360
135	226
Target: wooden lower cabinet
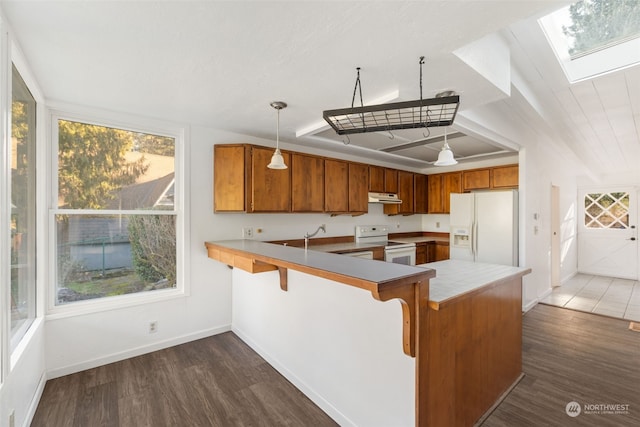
474	348
441	251
422	256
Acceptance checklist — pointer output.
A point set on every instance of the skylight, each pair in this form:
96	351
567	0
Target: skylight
593	37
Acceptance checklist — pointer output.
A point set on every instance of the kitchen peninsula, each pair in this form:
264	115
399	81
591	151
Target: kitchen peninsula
444	357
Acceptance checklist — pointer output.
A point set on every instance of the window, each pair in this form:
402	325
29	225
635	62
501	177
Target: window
23	208
116	218
606	210
593	37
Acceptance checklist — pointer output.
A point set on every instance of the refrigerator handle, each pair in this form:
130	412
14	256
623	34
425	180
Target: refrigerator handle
474	239
472	236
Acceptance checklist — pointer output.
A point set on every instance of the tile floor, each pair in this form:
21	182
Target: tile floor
596	294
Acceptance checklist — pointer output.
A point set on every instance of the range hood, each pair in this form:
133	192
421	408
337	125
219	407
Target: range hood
385	198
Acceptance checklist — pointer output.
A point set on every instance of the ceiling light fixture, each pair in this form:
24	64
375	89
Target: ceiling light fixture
438	111
445	157
277	162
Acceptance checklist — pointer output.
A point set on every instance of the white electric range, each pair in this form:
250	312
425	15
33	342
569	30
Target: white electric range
397	252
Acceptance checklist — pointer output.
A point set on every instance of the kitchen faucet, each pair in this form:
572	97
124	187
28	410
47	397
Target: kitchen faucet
307	235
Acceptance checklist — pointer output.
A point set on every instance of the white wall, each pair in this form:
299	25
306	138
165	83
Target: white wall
337	344
23	386
540	169
84	341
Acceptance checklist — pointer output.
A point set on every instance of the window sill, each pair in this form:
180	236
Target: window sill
113	303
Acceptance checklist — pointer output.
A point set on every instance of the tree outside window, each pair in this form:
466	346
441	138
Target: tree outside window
116	220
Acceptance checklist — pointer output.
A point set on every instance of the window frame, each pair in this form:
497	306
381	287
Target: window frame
133	124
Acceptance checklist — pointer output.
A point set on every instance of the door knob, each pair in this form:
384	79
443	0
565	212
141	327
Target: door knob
632	238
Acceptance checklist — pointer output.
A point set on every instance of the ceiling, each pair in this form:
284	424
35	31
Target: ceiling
221	64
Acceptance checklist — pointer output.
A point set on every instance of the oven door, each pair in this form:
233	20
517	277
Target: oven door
401	255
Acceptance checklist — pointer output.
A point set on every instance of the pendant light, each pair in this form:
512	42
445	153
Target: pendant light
277	162
445	157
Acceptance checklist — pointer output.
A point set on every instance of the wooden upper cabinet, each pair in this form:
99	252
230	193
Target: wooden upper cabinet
440	187
376	179
505	177
434	193
405	192
390	181
229	178
358	188
336	186
270	188
307	183
420	194
451	183
476	179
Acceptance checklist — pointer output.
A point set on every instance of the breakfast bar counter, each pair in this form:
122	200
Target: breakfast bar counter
461	325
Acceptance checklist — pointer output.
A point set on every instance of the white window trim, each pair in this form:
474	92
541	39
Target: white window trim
582	193
181	201
590	65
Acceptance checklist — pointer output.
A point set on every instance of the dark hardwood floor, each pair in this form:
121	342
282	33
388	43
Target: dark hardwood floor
219	381
571	356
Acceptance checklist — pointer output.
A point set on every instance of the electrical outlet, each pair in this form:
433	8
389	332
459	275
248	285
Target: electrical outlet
437	224
247	232
153	327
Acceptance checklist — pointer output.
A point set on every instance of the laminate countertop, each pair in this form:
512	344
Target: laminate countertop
420	239
455	278
362	269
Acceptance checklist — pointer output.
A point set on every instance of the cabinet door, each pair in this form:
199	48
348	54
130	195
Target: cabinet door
441	252
420	193
390	181
477	179
405	191
336	186
451	183
270	188
358	188
376	179
434	193
229	178
307	183
505	177
421	254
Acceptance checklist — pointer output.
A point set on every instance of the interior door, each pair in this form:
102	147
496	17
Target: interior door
608	232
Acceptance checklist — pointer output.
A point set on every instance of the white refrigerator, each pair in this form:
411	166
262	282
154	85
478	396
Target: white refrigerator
484	227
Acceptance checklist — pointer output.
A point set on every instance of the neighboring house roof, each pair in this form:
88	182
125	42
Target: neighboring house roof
145	194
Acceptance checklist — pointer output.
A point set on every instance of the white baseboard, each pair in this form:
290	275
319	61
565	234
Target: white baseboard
137	351
537	300
31	411
326	406
530	305
571	276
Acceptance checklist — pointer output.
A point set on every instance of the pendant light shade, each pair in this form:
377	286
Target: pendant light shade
445	157
277	161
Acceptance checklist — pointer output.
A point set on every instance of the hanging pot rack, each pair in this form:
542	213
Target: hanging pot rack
420	113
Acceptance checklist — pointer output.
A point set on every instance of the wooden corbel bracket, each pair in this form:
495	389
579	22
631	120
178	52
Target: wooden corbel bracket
413	299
